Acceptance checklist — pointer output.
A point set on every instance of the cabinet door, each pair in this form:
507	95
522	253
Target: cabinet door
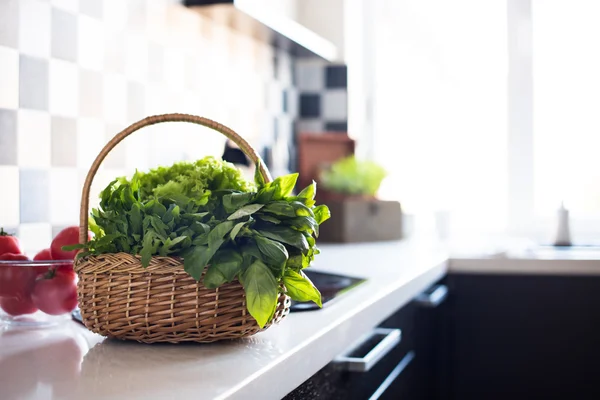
524	337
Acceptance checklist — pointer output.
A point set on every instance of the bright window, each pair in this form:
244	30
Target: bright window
488	109
566	98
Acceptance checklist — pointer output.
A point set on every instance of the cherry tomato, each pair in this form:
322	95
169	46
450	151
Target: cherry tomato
9	243
43	255
16	280
55	294
66	237
17	306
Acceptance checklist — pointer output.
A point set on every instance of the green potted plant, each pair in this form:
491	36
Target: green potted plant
349	187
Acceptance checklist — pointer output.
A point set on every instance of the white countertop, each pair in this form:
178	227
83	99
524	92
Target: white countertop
69	362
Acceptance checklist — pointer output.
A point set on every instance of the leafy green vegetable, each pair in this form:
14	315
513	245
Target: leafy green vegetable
222	226
352	176
261	291
300	288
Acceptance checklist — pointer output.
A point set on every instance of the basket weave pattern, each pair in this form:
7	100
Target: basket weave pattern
161	303
120	298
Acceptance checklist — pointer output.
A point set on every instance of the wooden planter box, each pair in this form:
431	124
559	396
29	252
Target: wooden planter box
362	220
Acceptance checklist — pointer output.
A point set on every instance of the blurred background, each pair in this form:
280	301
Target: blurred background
481	113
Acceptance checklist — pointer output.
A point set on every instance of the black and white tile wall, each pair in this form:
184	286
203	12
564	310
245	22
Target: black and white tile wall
323	96
75	72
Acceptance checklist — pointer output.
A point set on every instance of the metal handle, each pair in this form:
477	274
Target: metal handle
402	365
432	297
391	338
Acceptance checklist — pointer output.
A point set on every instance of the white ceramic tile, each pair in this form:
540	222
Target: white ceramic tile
335	104
34	28
90	43
115	98
9	201
35	237
155	99
70	5
310	125
310	76
64	88
136	57
174	63
33	138
115	15
91	138
64	203
275	98
9	78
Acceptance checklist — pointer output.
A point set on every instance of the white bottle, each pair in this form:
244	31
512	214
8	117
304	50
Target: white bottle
563	234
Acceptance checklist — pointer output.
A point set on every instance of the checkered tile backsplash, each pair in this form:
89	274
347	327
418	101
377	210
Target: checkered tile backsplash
73	73
323	96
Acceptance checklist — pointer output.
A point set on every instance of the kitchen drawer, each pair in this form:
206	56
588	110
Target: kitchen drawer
333	382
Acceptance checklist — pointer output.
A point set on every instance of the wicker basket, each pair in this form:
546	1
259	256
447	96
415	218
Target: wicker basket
161	303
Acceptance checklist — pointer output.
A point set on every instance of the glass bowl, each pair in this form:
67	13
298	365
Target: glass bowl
37	293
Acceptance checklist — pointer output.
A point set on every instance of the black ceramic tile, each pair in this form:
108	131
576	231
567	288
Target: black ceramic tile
64	142
155	63
8	137
336	76
336	126
64	35
310	105
34	195
90	93
135	101
9	27
33	83
93	8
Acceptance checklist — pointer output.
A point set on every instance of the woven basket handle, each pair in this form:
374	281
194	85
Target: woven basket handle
155	119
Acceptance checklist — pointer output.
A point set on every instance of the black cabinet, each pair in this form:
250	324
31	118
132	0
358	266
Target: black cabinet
409	371
523	337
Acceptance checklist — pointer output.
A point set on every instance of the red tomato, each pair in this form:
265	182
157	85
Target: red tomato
66	268
9	243
18	306
15	280
13	257
66	237
55	295
43	255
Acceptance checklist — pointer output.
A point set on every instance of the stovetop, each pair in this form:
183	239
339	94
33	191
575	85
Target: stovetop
331	287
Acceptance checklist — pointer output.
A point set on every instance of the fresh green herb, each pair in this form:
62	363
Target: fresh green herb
222	226
354	177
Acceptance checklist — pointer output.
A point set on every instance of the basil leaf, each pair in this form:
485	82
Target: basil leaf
322	213
236	229
258	178
284	185
286	235
234	201
261	292
223	268
268	218
245	211
309	191
265	194
274	251
301	210
216	236
195	260
300	288
280	208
